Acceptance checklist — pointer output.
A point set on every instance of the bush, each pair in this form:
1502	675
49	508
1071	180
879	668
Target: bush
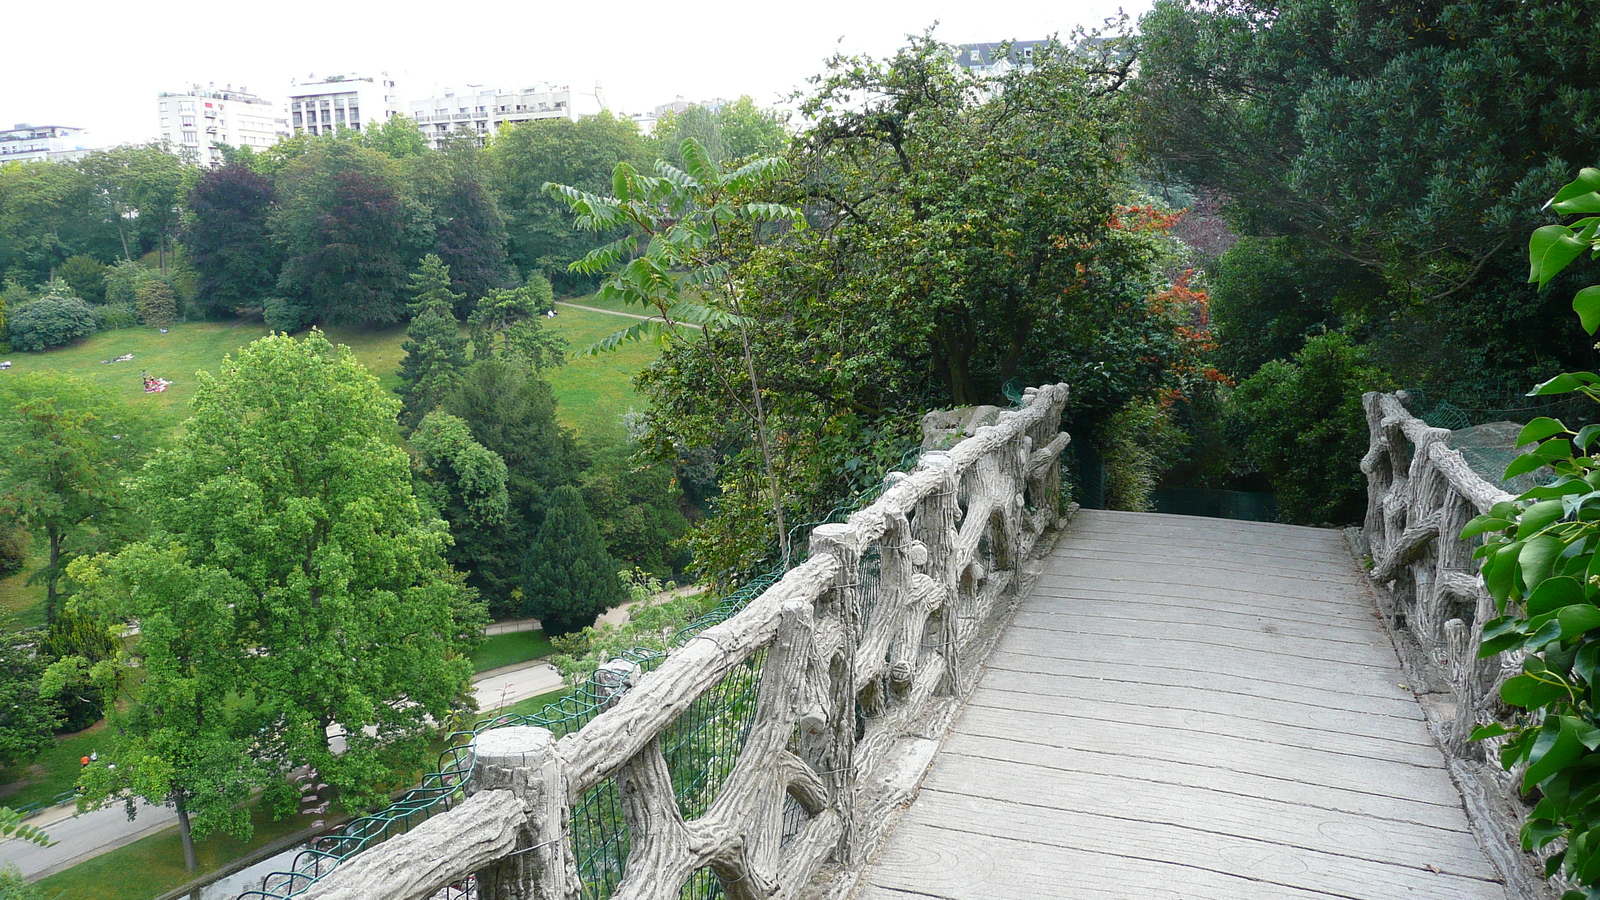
286	316
15	544
50	321
157	304
112	317
1301	424
1139	443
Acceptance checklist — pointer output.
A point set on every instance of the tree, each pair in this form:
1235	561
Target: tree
512	413
48	213
86	276
225	229
73	645
1412	142
510	322
436	353
466	482
569	578
27	719
343	225
734	131
156	303
140	188
469	230
525	156
637	506
299	586
68	451
50	321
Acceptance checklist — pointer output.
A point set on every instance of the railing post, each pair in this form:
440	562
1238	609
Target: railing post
522	759
832	754
935	527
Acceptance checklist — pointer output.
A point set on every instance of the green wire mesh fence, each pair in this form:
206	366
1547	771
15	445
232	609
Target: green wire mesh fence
701	748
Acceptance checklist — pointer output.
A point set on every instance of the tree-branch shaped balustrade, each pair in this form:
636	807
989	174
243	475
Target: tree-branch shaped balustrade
864	647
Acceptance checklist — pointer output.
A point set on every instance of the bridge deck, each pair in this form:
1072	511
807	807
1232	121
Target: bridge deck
1189	709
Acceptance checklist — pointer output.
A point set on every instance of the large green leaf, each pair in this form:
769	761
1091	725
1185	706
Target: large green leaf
1537	558
1587	182
1565	383
1550	250
1538	517
1559	744
1539	429
1528	692
1578	619
1484	525
1556	593
1586	303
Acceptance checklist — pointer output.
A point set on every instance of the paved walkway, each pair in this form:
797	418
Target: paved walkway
1189	709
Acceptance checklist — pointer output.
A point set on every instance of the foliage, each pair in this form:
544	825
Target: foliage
286	315
568	577
73	645
465	482
14	887
50	321
86	275
1139	443
512	413
123	280
114	317
15	546
513	317
1300	423
28	718
637	506
343	226
48	213
1541	565
729	133
1410	143
140	189
225	228
435	351
68	451
526	156
292	583
469	230
156	303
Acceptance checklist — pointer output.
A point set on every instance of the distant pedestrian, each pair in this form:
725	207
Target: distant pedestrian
85	762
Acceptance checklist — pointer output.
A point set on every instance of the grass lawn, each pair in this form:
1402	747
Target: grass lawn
513	647
55	771
150	867
22	604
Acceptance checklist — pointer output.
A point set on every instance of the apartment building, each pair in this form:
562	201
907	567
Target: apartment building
197	122
481	111
986	59
43	143
355	101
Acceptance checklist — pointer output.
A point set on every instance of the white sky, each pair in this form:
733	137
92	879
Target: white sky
99	64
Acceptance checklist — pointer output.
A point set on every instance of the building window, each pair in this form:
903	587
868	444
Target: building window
190	137
188	121
163	106
977	56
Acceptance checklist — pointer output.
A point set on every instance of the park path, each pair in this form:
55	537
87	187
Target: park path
1189	709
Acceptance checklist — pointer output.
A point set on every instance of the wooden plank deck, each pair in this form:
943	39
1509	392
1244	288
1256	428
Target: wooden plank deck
1189	709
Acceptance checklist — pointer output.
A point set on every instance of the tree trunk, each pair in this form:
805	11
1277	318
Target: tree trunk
161	243
189	861
766	450
52	577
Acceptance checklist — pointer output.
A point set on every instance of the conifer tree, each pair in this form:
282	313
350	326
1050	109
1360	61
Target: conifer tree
568	577
435	350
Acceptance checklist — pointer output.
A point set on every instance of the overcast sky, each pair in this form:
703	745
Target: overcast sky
99	64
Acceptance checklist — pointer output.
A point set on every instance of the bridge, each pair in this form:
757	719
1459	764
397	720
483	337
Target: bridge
968	692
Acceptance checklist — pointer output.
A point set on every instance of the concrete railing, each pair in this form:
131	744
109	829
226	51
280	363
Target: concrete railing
861	654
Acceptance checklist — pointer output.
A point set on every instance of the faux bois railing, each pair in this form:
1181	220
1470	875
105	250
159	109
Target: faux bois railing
776	742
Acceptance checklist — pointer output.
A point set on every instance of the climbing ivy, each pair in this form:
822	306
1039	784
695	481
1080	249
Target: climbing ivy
1540	563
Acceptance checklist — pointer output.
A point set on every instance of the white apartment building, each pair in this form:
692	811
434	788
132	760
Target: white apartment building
986	59
324	105
481	111
197	122
43	143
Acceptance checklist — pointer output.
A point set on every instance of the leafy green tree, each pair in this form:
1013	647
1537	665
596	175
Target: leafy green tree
1300	423
638	508
122	282
48	213
524	157
55	318
343	225
734	131
466	483
225	229
436	352
73	645
297	585
69	450
469	232
28	720
141	192
397	137
86	276
569	578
